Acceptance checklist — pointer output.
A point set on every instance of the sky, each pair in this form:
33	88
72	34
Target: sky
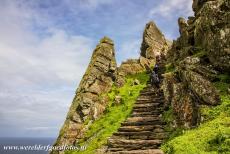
46	45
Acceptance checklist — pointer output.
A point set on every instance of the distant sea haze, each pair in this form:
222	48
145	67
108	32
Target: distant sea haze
25	142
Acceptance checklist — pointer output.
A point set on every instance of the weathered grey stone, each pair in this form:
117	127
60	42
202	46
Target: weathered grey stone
118	100
185	107
136	82
129	67
212	32
88	102
154	43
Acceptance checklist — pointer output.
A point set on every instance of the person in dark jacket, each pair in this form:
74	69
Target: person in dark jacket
155	79
156	69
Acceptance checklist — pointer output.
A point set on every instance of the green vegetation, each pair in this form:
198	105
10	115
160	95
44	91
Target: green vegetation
199	52
213	135
114	115
169	68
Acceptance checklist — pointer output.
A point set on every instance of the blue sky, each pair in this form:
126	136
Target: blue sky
46	45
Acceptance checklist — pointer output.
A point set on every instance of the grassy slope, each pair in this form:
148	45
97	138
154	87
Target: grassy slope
106	125
212	136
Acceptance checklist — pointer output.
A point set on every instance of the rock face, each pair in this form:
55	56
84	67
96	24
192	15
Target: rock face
154	43
131	66
89	104
212	30
198	56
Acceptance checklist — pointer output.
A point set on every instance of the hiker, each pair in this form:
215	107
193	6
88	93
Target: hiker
156	69
155	79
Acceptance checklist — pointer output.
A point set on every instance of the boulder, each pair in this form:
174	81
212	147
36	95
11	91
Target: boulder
185	107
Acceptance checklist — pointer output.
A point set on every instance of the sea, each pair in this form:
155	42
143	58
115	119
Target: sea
23	143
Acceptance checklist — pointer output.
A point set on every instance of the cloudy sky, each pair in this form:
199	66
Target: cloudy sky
45	47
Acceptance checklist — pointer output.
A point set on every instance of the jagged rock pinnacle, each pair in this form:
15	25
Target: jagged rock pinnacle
154	41
88	103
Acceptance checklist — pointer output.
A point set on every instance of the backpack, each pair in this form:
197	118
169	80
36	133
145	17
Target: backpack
155	77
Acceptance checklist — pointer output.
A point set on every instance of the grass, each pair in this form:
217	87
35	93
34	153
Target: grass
169	68
212	136
114	115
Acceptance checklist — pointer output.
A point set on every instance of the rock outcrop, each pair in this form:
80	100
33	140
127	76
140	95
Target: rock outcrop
89	103
154	43
198	56
129	67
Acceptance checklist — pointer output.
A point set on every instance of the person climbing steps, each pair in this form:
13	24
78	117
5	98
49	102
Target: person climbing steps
154	78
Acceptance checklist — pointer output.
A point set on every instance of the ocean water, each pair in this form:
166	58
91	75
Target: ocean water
25	142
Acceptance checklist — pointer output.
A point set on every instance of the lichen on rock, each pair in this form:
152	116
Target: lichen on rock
89	102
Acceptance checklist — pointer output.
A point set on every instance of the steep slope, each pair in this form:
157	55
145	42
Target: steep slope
197	57
89	103
196	85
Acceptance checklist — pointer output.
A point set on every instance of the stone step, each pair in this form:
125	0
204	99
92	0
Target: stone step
141	123
147	151
143	113
147	109
140	128
147	105
152	136
142	119
142	93
151	99
140	133
133	144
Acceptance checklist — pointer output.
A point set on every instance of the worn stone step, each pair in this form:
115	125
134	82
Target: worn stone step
141	123
133	144
152	136
141	133
150	99
150	102
142	119
147	105
144	113
147	151
147	109
142	93
140	128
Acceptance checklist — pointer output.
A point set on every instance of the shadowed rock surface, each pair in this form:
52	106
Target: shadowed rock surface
198	56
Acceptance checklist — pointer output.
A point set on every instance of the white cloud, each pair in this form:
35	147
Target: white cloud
38	74
168	8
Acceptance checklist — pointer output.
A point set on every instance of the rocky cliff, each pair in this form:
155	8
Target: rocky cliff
154	44
89	102
193	62
197	57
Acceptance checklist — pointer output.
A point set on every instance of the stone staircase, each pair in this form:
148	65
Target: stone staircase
143	132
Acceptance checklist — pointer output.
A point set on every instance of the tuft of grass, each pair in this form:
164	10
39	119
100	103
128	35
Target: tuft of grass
202	139
169	68
212	136
200	54
101	129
